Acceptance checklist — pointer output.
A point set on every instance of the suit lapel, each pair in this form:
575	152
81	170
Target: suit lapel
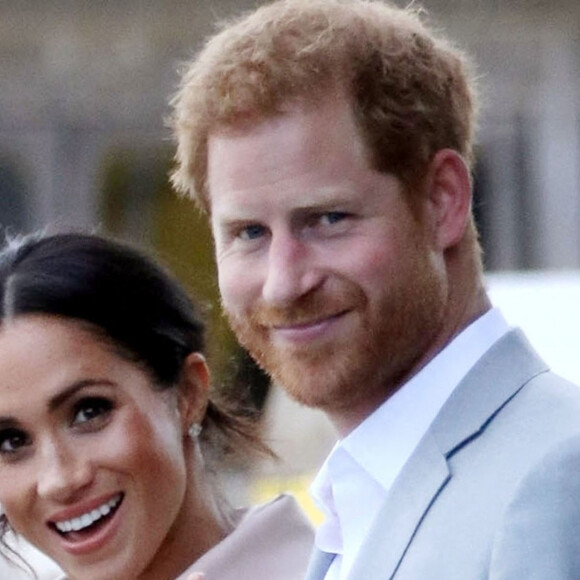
494	380
318	565
425	474
497	377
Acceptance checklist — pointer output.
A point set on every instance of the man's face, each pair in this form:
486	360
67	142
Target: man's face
327	277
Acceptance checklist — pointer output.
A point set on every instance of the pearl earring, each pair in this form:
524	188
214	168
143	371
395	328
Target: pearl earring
194	430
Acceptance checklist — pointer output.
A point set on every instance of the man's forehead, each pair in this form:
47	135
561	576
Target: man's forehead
248	120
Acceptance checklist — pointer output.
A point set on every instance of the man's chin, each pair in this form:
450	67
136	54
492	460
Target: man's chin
317	376
311	385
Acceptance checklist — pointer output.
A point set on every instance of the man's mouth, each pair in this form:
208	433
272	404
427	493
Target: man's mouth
308	322
305	330
88	521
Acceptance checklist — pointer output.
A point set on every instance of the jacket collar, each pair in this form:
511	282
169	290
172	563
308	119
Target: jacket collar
492	382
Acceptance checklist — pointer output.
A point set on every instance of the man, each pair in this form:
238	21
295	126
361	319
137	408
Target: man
331	143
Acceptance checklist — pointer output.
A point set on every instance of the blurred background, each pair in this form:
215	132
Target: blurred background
84	87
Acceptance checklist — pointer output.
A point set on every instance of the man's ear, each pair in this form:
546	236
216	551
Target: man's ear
448	193
193	389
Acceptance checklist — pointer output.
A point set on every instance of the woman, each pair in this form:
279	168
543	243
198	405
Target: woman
106	424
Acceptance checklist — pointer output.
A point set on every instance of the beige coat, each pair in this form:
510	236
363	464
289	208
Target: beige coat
270	542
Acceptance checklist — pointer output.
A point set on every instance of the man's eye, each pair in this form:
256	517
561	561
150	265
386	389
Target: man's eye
12	440
91	409
251	232
332	217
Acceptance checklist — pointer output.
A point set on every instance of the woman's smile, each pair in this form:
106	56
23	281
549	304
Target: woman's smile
89	518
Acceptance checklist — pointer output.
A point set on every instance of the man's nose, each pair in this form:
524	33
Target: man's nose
292	271
63	472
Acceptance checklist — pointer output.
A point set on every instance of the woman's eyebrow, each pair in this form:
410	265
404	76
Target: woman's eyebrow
56	401
8	422
63	396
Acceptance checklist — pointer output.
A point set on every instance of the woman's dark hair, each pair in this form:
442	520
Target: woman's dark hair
125	298
116	289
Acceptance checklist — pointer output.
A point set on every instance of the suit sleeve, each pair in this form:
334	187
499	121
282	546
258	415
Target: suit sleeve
540	535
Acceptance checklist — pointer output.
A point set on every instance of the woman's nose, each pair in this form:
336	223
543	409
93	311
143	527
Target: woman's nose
64	472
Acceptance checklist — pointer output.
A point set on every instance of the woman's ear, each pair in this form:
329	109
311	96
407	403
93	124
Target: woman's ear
448	197
193	390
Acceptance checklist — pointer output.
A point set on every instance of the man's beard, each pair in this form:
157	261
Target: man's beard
379	351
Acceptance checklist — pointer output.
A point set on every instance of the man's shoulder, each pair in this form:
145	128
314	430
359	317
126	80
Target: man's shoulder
538	535
534	423
551	397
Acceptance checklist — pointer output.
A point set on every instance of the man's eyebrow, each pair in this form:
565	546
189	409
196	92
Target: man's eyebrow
63	396
324	205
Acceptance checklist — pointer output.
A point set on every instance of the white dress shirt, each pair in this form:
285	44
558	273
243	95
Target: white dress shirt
354	481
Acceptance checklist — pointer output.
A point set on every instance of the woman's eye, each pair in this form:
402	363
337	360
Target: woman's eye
12	440
91	409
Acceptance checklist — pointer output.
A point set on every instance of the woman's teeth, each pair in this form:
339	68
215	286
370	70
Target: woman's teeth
88	519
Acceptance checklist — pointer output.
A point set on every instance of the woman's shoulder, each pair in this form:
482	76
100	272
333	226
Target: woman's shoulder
282	506
278	524
271	541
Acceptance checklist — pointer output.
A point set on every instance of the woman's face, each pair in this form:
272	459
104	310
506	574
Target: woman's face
93	462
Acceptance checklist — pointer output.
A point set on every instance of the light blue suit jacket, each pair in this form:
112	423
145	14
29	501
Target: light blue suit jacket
493	489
